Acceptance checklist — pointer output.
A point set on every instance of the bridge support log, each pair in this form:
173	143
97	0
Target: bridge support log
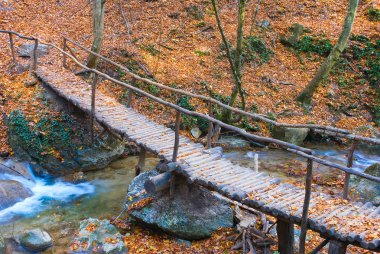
140	165
162	181
336	247
159	182
285	233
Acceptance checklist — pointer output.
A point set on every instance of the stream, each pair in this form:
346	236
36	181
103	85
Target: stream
58	205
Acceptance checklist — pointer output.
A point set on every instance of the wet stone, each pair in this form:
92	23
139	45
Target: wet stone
36	240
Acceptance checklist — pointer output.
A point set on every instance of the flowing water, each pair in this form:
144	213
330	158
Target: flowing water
58	205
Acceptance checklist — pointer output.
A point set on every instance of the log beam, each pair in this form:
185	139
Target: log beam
285	233
336	247
140	165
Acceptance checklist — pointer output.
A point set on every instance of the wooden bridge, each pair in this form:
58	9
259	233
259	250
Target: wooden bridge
338	220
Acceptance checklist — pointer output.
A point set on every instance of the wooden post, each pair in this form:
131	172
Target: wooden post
34	63
93	90
140	165
306	206
210	127
350	161
64	49
130	94
320	246
176	140
285	233
336	247
215	135
12	48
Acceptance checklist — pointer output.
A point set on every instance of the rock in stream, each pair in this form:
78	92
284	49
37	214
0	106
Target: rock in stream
190	214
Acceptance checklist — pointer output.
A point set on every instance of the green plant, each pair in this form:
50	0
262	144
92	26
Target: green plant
309	44
201	24
247	126
151	49
154	89
254	50
373	14
189	122
202	53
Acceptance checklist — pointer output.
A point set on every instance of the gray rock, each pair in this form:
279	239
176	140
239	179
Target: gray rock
369	189
36	240
184	242
100	157
376	201
196	132
191	214
98	236
374	170
264	23
26	50
13	167
292	135
233	142
12	192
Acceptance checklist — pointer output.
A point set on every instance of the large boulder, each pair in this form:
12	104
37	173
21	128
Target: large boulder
26	50
191	214
292	135
367	188
36	240
97	236
12	192
34	142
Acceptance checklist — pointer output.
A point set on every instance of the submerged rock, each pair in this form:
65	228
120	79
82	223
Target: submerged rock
36	240
233	142
292	135
97	236
191	214
12	192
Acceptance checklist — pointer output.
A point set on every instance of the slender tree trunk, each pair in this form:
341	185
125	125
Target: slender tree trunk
235	63
98	31
306	96
239	51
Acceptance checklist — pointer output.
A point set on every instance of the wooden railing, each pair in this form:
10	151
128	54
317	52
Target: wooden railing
301	151
33	64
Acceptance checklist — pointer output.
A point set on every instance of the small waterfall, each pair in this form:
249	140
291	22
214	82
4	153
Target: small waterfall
44	193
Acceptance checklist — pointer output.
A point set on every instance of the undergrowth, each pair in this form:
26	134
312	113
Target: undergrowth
189	122
254	50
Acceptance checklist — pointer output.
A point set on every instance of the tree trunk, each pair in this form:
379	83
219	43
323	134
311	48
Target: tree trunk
98	31
307	94
239	50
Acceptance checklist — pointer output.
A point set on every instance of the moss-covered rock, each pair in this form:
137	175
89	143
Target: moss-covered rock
58	144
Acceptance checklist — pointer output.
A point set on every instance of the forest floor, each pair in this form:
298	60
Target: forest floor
166	40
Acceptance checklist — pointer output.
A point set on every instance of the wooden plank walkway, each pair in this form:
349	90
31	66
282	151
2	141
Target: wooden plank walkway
337	219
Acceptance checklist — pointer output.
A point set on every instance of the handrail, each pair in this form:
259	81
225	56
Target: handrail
18	35
304	152
337	131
